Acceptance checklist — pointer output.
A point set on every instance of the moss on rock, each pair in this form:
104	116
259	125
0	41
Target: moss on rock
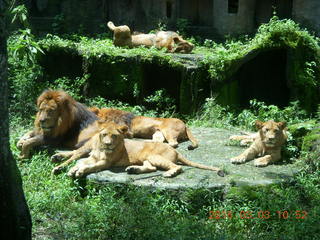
300	130
311	142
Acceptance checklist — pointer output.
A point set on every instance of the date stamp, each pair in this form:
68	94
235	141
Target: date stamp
262	214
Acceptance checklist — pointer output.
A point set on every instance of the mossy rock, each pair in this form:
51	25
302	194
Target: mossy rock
300	130
214	150
311	142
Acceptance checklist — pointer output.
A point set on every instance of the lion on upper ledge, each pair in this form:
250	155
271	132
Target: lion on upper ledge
163	39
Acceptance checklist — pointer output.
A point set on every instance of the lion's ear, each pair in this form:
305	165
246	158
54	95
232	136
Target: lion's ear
282	125
259	124
95	110
123	129
176	40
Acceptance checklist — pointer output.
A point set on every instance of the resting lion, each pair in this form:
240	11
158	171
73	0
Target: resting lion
110	149
246	139
266	146
163	39
60	121
171	130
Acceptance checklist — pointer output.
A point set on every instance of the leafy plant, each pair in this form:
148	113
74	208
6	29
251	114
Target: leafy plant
182	26
161	102
25	46
20	13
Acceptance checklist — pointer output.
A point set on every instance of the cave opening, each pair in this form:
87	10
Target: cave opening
264	78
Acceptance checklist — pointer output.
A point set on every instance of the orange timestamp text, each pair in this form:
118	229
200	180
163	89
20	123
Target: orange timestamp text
262	214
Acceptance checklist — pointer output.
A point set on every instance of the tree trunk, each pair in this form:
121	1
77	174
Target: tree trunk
15	220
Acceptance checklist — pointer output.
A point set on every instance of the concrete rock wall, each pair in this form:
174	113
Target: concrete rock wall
307	13
207	18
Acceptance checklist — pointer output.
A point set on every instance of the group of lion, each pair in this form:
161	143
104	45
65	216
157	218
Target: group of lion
103	138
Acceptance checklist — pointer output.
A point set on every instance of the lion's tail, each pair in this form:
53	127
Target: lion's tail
111	26
187	162
192	139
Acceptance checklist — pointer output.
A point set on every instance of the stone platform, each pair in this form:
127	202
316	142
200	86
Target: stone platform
213	150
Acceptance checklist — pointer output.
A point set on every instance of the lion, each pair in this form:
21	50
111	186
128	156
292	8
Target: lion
163	39
172	130
246	139
115	115
60	121
267	144
111	149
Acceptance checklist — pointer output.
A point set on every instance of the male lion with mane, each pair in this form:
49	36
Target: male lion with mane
111	149
60	121
171	130
266	146
163	39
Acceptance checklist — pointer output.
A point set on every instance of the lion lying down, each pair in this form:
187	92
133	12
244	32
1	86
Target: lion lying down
163	39
172	130
110	149
266	145
60	121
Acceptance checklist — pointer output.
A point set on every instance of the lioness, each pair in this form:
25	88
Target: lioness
60	121
267	144
109	148
171	130
163	39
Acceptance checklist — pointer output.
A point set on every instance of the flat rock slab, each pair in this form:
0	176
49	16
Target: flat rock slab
213	150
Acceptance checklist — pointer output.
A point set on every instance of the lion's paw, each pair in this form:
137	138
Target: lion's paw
79	173
58	157
20	144
170	173
132	170
238	160
260	163
73	171
57	170
24	156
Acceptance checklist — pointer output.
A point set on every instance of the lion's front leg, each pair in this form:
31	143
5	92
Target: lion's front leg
247	155
58	157
267	159
75	155
87	166
24	138
29	144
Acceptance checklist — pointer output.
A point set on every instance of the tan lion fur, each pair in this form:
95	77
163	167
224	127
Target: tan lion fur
172	130
60	121
266	148
246	139
111	149
163	39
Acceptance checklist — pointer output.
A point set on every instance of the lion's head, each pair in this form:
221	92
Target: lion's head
55	112
111	135
271	132
182	46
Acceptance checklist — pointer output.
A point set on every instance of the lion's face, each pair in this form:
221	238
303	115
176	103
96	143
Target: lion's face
111	136
271	132
48	115
184	47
